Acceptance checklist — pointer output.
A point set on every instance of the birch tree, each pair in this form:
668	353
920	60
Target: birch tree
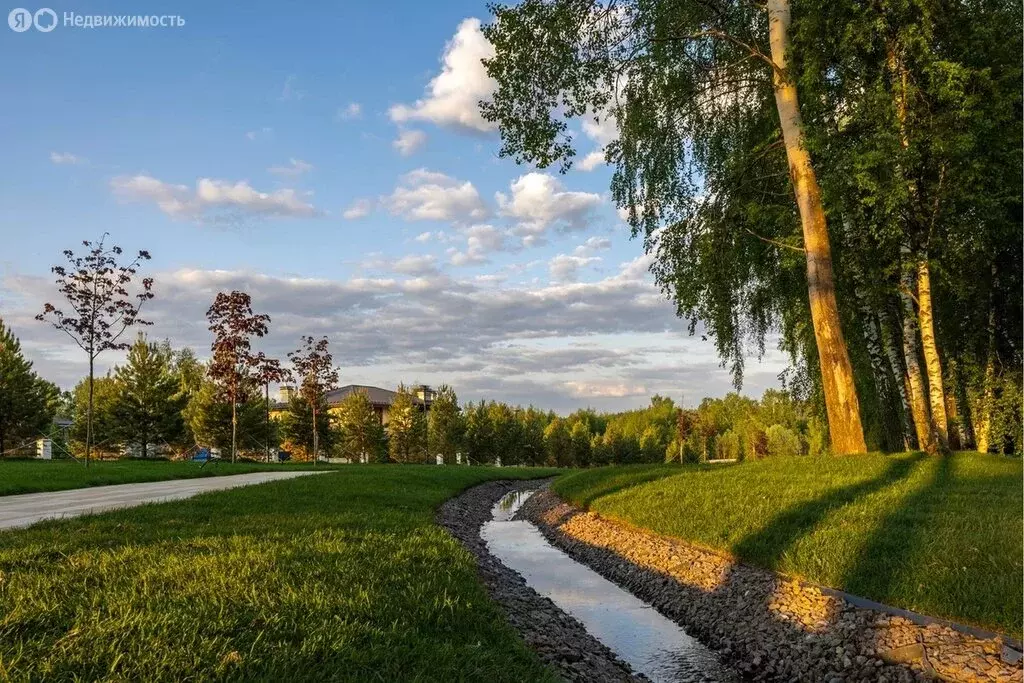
691	87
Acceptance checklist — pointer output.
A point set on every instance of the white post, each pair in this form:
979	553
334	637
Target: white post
44	449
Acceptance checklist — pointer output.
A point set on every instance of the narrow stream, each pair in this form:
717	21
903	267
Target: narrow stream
650	643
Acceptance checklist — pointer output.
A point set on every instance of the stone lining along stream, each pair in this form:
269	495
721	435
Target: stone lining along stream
650	643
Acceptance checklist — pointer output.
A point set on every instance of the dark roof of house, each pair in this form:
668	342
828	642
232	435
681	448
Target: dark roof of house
377	396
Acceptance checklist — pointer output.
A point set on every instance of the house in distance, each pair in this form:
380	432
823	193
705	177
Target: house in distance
380	399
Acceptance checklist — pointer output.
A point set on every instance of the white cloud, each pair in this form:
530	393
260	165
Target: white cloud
615	339
592	246
565	268
415	264
592	161
295	167
481	240
409	141
431	196
360	208
65	158
604	389
539	202
353	110
452	97
211	195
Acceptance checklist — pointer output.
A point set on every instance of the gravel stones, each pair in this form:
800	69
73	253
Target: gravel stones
769	627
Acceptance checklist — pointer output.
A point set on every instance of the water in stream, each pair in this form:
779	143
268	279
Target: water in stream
652	644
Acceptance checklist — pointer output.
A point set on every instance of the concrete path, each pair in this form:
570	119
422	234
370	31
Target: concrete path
29	508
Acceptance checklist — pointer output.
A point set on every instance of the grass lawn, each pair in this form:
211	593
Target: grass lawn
33	476
342	576
942	536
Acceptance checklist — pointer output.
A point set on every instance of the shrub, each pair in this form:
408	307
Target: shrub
782	441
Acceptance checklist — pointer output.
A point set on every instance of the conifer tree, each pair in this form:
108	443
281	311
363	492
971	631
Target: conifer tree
149	401
27	402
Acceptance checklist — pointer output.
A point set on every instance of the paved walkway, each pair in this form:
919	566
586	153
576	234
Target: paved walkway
29	508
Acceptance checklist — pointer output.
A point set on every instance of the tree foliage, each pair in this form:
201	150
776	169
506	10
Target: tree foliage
149	402
27	402
102	304
233	365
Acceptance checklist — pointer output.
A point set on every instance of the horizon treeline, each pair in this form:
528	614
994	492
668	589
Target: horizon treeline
161	403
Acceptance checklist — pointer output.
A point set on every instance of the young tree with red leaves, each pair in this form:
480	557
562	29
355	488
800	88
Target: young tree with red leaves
269	370
103	304
234	367
314	369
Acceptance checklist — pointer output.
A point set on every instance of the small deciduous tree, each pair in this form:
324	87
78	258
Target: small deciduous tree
269	371
314	370
233	364
103	304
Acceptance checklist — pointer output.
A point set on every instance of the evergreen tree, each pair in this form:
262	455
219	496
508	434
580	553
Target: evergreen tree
209	413
105	437
446	427
361	433
407	428
27	402
479	433
297	427
148	406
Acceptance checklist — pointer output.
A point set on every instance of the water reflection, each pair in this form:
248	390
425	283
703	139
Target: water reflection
652	644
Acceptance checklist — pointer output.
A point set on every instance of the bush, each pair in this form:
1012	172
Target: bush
782	441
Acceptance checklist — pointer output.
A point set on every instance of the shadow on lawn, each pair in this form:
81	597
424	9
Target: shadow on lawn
898	537
767	545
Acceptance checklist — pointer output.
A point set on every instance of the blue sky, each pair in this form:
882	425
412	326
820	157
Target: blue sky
329	159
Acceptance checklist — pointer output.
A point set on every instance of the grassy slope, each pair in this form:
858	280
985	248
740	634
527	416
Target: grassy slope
939	536
341	576
32	476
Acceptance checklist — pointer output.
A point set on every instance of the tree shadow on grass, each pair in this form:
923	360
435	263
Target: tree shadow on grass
768	545
925	530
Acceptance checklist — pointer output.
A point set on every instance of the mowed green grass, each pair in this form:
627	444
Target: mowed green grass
338	576
942	536
34	476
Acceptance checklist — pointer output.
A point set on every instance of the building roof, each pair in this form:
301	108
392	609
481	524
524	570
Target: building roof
377	396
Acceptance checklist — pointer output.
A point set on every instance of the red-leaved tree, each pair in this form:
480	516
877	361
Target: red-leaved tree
269	370
314	369
234	367
101	304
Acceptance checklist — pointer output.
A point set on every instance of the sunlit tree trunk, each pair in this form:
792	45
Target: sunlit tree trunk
930	350
840	392
926	439
983	424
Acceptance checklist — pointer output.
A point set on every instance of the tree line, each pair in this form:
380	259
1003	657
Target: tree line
859	194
